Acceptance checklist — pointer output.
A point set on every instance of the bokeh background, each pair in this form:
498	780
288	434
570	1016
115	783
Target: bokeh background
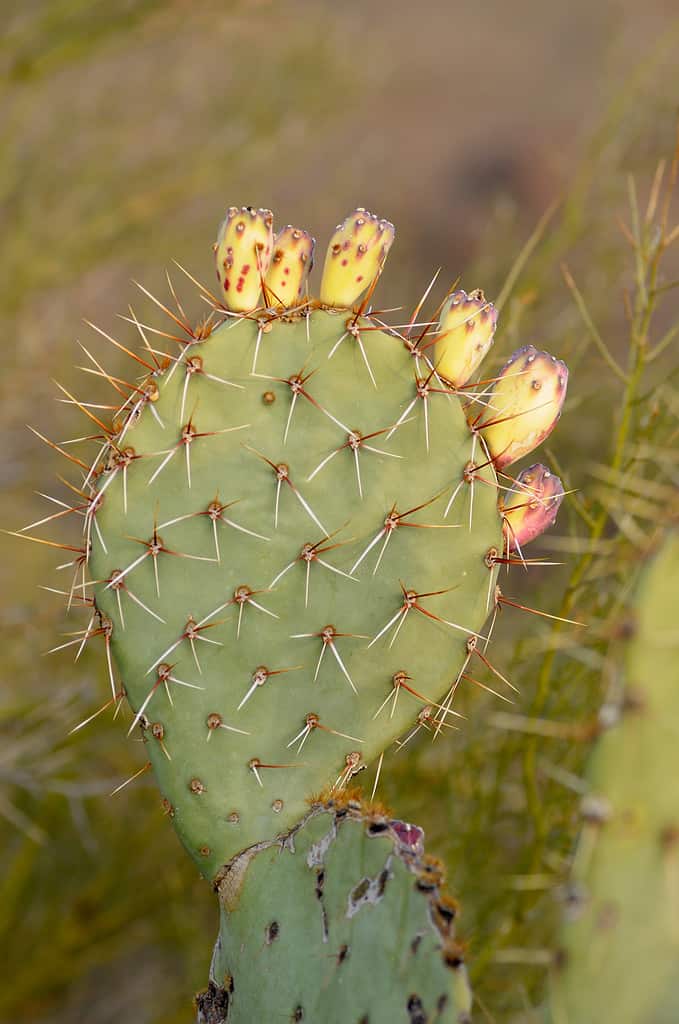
127	129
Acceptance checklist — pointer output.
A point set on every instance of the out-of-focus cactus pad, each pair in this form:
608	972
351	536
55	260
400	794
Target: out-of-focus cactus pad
620	954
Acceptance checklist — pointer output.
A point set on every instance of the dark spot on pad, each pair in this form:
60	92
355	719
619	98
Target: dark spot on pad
447	911
342	954
297	1014
441	1003
320	879
375	828
607	916
359	891
415	944
425	884
416	1013
272	932
453	956
382	882
213	1004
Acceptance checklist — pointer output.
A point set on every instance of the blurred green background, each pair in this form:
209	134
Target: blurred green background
127	128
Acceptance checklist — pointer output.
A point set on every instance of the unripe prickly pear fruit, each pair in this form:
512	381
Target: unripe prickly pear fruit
531	506
524	405
242	254
288	273
466	331
355	258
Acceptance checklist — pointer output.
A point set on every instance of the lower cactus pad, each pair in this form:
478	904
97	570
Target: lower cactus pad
341	922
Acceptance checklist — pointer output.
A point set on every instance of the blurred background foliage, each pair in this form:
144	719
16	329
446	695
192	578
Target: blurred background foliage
127	129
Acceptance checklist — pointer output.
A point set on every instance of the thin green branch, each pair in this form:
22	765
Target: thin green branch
525	253
666	340
647	259
601	345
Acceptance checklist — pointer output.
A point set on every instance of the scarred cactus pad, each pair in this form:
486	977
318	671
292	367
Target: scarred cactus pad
343	920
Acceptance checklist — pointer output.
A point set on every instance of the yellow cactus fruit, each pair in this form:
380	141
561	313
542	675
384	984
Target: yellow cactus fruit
243	253
355	258
466	331
292	259
524	405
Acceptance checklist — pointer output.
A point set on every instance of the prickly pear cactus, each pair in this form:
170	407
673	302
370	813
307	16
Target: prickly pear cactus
620	955
342	920
293	529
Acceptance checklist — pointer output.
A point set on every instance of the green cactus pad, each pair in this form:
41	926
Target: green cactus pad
620	957
341	922
203	444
